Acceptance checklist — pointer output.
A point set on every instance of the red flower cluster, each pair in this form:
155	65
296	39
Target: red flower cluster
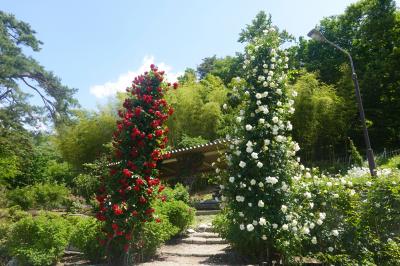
126	194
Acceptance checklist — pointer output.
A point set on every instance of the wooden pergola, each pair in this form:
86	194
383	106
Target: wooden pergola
192	160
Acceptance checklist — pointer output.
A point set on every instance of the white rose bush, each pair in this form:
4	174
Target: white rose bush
263	216
278	210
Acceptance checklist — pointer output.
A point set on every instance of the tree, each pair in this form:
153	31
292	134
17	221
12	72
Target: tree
225	68
16	68
87	139
369	30
321	120
198	104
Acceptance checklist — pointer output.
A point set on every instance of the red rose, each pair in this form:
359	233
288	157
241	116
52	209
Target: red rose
142	200
100	217
126	173
139	182
117	210
175	85
158	132
114	226
134	213
150	136
149	211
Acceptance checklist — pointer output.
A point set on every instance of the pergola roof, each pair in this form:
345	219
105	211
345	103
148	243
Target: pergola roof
209	153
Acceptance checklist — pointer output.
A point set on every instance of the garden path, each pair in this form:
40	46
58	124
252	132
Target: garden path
199	247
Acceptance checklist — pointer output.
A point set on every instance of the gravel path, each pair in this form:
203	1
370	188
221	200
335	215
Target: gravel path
200	247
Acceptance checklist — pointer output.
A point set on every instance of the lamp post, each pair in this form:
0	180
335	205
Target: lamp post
316	35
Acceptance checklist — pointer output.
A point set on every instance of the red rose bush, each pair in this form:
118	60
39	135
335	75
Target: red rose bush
126	194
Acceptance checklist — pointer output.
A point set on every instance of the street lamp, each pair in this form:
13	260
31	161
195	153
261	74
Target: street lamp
317	35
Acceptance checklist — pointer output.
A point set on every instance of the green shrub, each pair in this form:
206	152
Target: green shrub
154	234
41	196
4	235
178	213
393	163
85	237
15	213
366	213
86	185
40	240
179	192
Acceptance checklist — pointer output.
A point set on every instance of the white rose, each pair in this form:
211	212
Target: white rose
285	227
260	204
249	127
231	179
242	164
254	155
314	240
264	237
259	164
262	221
283	208
335	232
274	226
252	182
261	121
250	227
241	227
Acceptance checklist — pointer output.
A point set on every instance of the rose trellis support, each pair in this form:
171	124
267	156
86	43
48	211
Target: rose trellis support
126	193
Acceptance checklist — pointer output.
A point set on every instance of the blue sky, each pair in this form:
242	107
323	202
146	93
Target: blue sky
99	46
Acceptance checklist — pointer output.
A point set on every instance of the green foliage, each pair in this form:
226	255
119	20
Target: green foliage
8	167
87	183
197	104
41	196
393	163
365	214
4	235
178	213
191	141
225	68
320	121
85	237
179	192
59	172
369	30
84	141
153	235
355	155
17	68
39	241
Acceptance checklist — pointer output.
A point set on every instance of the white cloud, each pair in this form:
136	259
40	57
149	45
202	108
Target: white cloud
124	80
